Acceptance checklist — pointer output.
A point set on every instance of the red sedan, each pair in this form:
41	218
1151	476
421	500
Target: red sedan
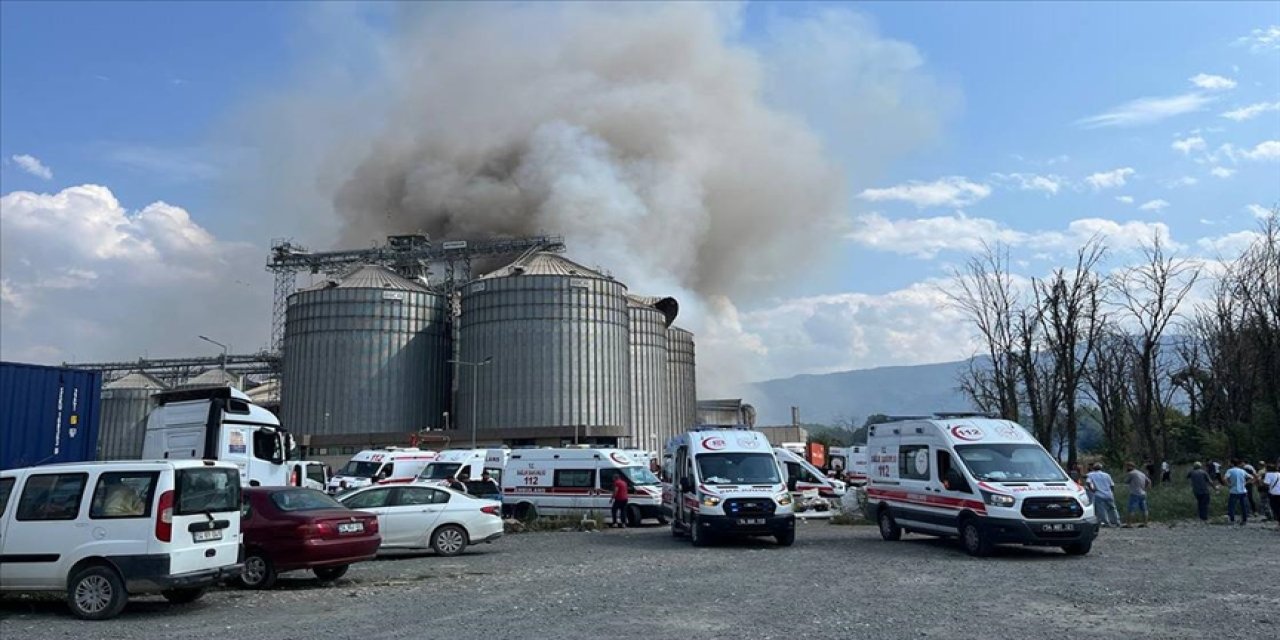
292	528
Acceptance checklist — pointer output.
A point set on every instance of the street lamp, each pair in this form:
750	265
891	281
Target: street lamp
224	351
475	377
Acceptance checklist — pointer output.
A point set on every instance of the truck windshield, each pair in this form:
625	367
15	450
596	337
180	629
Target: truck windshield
207	490
738	468
439	471
1010	463
360	469
640	475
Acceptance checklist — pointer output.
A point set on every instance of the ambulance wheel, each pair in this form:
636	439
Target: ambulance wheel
633	516
526	512
974	539
889	530
1078	548
697	535
786	539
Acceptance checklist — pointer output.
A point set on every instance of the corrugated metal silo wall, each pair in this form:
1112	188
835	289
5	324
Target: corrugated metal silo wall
683	380
651	398
364	360
560	352
124	423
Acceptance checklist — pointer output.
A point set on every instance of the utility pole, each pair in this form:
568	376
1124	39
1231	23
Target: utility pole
224	352
475	388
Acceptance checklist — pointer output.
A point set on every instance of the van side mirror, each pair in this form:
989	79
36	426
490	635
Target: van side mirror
791	484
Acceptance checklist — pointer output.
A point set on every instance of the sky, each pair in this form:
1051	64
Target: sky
151	151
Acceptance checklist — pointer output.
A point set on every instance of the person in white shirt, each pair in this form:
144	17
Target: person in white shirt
1104	497
1271	483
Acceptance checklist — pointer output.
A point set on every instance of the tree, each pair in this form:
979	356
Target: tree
984	292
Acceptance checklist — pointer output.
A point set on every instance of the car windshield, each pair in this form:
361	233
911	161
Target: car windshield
207	490
738	468
640	475
360	469
1010	463
439	471
304	500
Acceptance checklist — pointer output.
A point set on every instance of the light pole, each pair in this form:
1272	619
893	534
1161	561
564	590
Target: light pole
475	378
224	351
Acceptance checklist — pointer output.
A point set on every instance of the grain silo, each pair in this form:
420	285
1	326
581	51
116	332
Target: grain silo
682	378
557	335
651	398
125	405
364	354
213	378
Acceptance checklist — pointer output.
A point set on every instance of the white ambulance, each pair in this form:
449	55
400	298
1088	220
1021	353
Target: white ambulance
984	481
803	477
726	481
381	466
576	480
850	464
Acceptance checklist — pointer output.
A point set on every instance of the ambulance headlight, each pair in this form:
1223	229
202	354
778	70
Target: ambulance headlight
1085	499
998	499
783	499
709	501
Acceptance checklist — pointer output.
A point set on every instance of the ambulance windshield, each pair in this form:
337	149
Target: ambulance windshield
360	469
738	468
640	475
1010	463
439	471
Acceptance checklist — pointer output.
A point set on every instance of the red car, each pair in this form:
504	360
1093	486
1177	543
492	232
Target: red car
292	528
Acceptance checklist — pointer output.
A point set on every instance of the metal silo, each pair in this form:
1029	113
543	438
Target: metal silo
213	378
683	379
557	333
651	400
364	354
125	405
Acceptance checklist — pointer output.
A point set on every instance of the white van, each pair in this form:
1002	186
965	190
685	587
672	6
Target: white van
985	481
576	480
850	464
382	466
100	531
311	474
726	481
803	476
455	463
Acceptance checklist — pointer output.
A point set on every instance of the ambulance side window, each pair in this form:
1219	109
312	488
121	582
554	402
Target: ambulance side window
913	462
575	478
950	476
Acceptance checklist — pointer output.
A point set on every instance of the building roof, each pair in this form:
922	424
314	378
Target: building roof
370	276
542	263
135	380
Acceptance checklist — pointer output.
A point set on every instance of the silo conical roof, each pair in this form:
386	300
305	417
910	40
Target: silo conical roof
370	276
214	378
135	380
542	263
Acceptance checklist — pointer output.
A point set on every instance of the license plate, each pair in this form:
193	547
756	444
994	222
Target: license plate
208	536
351	527
750	520
1058	527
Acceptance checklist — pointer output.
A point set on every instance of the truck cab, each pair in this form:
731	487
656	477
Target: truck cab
219	423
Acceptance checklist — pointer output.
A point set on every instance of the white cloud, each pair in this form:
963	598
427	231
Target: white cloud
1125	199
1050	184
1228	245
927	237
1110	179
1258	210
1269	150
86	278
952	191
1251	111
1147	110
1184	181
33	166
1212	82
1153	205
1261	40
1222	172
1187	145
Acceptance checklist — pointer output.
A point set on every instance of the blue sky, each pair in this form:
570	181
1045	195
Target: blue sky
1026	118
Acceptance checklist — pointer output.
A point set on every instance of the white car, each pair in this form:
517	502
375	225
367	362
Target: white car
417	516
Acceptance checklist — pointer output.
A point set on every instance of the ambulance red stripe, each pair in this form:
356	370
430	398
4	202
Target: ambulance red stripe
925	500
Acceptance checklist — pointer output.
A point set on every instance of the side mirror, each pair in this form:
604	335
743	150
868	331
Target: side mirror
791	484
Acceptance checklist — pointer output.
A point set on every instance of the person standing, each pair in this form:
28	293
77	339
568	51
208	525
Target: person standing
1201	483
1249	488
1271	482
1138	483
1236	479
1104	498
618	512
1165	470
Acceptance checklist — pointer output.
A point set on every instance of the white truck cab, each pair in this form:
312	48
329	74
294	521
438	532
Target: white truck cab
726	481
219	423
802	476
102	531
983	480
390	465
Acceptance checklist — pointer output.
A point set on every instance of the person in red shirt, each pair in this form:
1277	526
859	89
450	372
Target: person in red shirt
619	510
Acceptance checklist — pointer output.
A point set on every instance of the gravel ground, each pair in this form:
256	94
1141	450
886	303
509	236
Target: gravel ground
836	582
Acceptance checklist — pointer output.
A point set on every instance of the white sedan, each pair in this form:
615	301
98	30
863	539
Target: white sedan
417	516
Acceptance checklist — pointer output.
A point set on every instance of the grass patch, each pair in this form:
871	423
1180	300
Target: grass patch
559	523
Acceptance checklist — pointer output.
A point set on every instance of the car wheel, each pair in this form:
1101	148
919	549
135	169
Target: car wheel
974	539
633	516
1078	548
96	593
697	535
786	539
449	540
182	596
259	572
329	574
889	530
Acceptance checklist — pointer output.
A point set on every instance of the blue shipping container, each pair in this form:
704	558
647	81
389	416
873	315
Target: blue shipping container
47	414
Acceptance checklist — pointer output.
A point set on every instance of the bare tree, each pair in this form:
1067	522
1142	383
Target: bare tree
984	292
1106	380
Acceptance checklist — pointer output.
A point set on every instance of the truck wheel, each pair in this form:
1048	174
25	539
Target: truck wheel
449	540
96	593
183	596
329	574
633	516
786	539
697	536
889	530
1078	548
259	572
975	540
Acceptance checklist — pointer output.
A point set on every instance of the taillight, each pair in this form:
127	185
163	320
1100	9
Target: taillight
491	510
317	530
164	517
371	525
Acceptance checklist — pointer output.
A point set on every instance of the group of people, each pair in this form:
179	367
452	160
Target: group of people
1242	481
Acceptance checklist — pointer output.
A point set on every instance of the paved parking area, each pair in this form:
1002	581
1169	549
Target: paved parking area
836	582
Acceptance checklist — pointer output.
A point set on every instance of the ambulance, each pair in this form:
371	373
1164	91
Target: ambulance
850	464
573	481
389	465
982	480
726	481
468	463
803	477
